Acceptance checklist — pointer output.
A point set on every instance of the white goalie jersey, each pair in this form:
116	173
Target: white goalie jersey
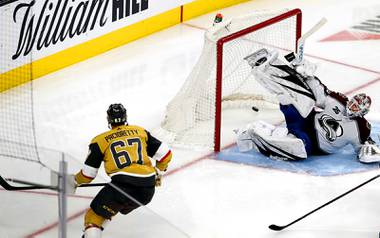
334	129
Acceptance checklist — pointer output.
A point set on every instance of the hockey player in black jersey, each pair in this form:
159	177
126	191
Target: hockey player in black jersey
318	120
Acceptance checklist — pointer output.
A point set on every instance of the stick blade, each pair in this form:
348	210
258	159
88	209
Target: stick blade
9	187
4	184
276	228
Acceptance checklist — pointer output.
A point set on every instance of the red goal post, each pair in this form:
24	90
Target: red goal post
221	80
219	61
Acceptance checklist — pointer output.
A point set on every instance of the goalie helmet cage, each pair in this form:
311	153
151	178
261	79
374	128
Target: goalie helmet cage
222	76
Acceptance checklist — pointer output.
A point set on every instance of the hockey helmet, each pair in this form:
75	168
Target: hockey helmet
358	105
116	114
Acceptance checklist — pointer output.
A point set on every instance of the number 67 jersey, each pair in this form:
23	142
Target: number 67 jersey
126	151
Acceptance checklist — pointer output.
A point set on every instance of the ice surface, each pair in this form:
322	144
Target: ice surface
200	196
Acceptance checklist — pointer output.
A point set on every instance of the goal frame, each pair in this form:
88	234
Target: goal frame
219	62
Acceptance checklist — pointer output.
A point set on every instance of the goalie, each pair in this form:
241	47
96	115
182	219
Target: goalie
318	121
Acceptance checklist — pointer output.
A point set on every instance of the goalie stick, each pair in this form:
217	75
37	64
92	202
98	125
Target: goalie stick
279	228
302	39
8	187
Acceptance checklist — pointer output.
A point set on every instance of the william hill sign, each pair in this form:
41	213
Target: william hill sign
54	21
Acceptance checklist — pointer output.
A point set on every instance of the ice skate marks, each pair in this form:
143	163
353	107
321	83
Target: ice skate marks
342	162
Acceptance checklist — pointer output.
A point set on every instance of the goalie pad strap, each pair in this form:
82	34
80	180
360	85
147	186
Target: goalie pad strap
270	149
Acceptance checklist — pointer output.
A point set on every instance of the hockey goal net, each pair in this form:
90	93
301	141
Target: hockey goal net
221	78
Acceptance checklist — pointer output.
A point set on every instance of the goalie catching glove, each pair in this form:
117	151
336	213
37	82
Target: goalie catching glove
369	152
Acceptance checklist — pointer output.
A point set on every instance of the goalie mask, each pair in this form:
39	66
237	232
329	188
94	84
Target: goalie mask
358	105
116	114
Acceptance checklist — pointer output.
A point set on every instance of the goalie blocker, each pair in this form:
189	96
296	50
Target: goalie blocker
321	120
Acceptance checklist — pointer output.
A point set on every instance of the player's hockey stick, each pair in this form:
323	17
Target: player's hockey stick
9	187
279	228
302	39
31	186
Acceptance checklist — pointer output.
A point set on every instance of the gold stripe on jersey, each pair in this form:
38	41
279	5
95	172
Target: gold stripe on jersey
164	162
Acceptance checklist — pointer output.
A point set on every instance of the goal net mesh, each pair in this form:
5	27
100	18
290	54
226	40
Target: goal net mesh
16	111
190	115
20	155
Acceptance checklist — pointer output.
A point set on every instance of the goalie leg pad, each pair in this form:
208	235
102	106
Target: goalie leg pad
244	141
271	141
282	80
284	148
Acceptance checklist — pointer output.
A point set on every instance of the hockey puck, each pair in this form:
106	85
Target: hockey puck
255	109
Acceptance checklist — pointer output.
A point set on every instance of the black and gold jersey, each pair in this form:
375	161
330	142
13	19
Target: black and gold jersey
125	150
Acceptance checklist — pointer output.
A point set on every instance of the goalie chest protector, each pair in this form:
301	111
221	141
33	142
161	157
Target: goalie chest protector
335	130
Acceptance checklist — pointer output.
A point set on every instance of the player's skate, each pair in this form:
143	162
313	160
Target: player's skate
92	232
